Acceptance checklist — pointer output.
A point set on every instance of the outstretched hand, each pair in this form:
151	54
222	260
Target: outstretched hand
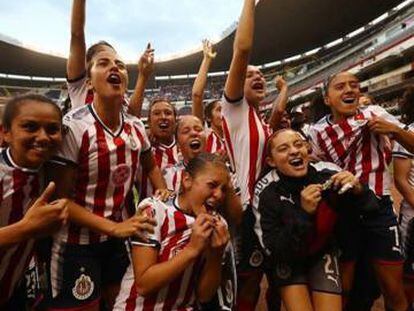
208	50
146	62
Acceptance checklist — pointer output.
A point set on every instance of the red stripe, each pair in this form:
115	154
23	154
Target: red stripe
20	179
82	182
119	191
174	287
337	145
209	147
366	155
253	149
171	159
164	227
104	171
322	145
132	298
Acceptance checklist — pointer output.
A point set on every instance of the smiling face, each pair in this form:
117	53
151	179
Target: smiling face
207	189
288	153
343	95
108	75
254	86
35	133
162	122
191	137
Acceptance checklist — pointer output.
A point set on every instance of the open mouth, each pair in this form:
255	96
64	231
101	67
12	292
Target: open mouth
114	78
258	86
163	125
195	144
210	206
297	162
349	100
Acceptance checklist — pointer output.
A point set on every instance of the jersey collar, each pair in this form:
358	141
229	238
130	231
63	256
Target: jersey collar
107	129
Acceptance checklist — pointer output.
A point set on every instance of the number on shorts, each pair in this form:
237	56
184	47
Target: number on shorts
396	247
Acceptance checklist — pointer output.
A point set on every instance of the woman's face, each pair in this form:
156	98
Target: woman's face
191	137
162	121
108	74
35	134
343	95
289	154
206	191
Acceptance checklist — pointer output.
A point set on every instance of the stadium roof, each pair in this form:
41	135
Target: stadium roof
283	29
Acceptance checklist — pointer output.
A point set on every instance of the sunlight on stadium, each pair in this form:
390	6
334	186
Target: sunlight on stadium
255	155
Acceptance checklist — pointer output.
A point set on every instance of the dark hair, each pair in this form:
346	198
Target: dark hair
208	109
94	48
159	100
197	164
12	107
407	105
318	109
92	51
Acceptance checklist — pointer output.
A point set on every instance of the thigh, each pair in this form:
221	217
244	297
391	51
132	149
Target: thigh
326	301
75	276
296	298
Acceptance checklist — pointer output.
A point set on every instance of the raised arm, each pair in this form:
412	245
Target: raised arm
201	80
75	66
145	70
242	46
279	105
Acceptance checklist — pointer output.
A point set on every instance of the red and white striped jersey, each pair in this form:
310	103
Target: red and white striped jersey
172	175
171	235
164	156
106	163
18	188
353	147
245	135
214	143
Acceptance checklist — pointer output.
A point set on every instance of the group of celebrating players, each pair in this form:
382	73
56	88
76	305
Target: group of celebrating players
99	213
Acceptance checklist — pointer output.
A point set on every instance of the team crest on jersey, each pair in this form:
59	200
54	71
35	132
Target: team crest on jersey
121	174
256	259
83	288
283	271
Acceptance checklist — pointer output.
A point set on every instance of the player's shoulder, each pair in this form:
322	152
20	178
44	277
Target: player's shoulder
80	116
134	121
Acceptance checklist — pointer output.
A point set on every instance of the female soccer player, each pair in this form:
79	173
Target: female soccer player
179	265
245	135
404	181
162	122
79	59
356	141
103	148
32	131
295	220
212	111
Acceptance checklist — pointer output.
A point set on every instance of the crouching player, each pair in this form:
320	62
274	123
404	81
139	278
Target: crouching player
179	265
